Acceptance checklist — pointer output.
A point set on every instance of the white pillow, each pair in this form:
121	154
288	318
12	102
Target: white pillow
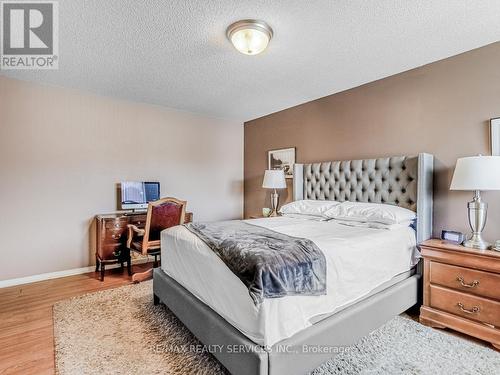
371	212
308	207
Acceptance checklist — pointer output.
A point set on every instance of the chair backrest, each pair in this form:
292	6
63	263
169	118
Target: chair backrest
162	214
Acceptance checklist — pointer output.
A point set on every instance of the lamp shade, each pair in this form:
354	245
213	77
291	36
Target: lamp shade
477	173
274	179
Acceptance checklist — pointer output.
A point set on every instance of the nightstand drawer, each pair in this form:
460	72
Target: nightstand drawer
481	283
465	305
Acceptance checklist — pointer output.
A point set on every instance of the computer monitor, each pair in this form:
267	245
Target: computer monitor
137	194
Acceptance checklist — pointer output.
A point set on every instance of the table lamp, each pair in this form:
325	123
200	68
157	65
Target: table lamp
274	179
477	173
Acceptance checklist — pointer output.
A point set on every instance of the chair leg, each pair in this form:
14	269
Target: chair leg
96	264
155	263
103	268
156	300
142	276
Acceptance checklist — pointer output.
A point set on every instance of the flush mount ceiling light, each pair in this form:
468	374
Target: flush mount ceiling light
250	37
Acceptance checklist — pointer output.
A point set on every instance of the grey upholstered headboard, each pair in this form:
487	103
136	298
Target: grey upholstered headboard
405	181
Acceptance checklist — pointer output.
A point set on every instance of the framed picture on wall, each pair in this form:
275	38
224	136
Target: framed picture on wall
282	159
495	136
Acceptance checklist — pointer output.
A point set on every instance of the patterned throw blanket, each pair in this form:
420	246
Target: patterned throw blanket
269	263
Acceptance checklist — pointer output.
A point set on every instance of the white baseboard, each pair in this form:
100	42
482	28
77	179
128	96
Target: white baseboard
58	274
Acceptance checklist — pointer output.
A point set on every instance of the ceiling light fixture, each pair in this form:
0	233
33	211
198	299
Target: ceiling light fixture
250	37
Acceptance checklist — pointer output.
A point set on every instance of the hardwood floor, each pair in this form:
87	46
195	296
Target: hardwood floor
26	326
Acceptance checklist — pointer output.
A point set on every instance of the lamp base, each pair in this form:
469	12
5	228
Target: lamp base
477	212
274	203
476	242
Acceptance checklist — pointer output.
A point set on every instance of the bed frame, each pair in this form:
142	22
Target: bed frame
404	181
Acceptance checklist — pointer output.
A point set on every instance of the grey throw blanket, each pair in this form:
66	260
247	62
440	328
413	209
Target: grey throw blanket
269	263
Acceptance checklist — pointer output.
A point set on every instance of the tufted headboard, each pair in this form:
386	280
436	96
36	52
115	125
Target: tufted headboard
401	180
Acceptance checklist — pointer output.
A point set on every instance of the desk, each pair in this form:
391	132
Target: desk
111	237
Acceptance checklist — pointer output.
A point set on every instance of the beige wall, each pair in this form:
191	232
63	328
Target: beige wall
442	108
62	152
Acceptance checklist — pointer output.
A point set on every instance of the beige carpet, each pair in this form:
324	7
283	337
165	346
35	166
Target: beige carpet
120	331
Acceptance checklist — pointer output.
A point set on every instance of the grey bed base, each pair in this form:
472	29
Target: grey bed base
241	356
404	181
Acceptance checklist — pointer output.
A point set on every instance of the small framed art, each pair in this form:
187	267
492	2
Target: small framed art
282	159
495	136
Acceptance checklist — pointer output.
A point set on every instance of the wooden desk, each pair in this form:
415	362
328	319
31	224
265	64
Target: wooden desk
111	237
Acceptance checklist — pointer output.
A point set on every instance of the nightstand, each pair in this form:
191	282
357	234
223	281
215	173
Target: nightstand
461	290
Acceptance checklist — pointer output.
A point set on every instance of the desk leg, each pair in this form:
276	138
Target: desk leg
96	264
129	264
103	268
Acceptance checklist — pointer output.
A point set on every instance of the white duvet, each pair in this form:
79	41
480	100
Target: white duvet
358	260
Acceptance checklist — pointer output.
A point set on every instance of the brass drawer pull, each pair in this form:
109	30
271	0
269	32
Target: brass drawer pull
474	309
471	285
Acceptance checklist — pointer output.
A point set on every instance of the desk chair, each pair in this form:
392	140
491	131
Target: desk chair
162	214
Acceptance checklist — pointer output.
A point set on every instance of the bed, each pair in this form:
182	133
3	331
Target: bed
295	334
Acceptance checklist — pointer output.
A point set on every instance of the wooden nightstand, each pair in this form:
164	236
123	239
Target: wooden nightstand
462	290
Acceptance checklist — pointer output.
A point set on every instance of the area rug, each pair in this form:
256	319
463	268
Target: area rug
120	331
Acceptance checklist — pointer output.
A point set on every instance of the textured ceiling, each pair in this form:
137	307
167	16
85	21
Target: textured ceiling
175	53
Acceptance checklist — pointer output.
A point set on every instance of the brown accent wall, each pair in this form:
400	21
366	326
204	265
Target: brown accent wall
442	108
